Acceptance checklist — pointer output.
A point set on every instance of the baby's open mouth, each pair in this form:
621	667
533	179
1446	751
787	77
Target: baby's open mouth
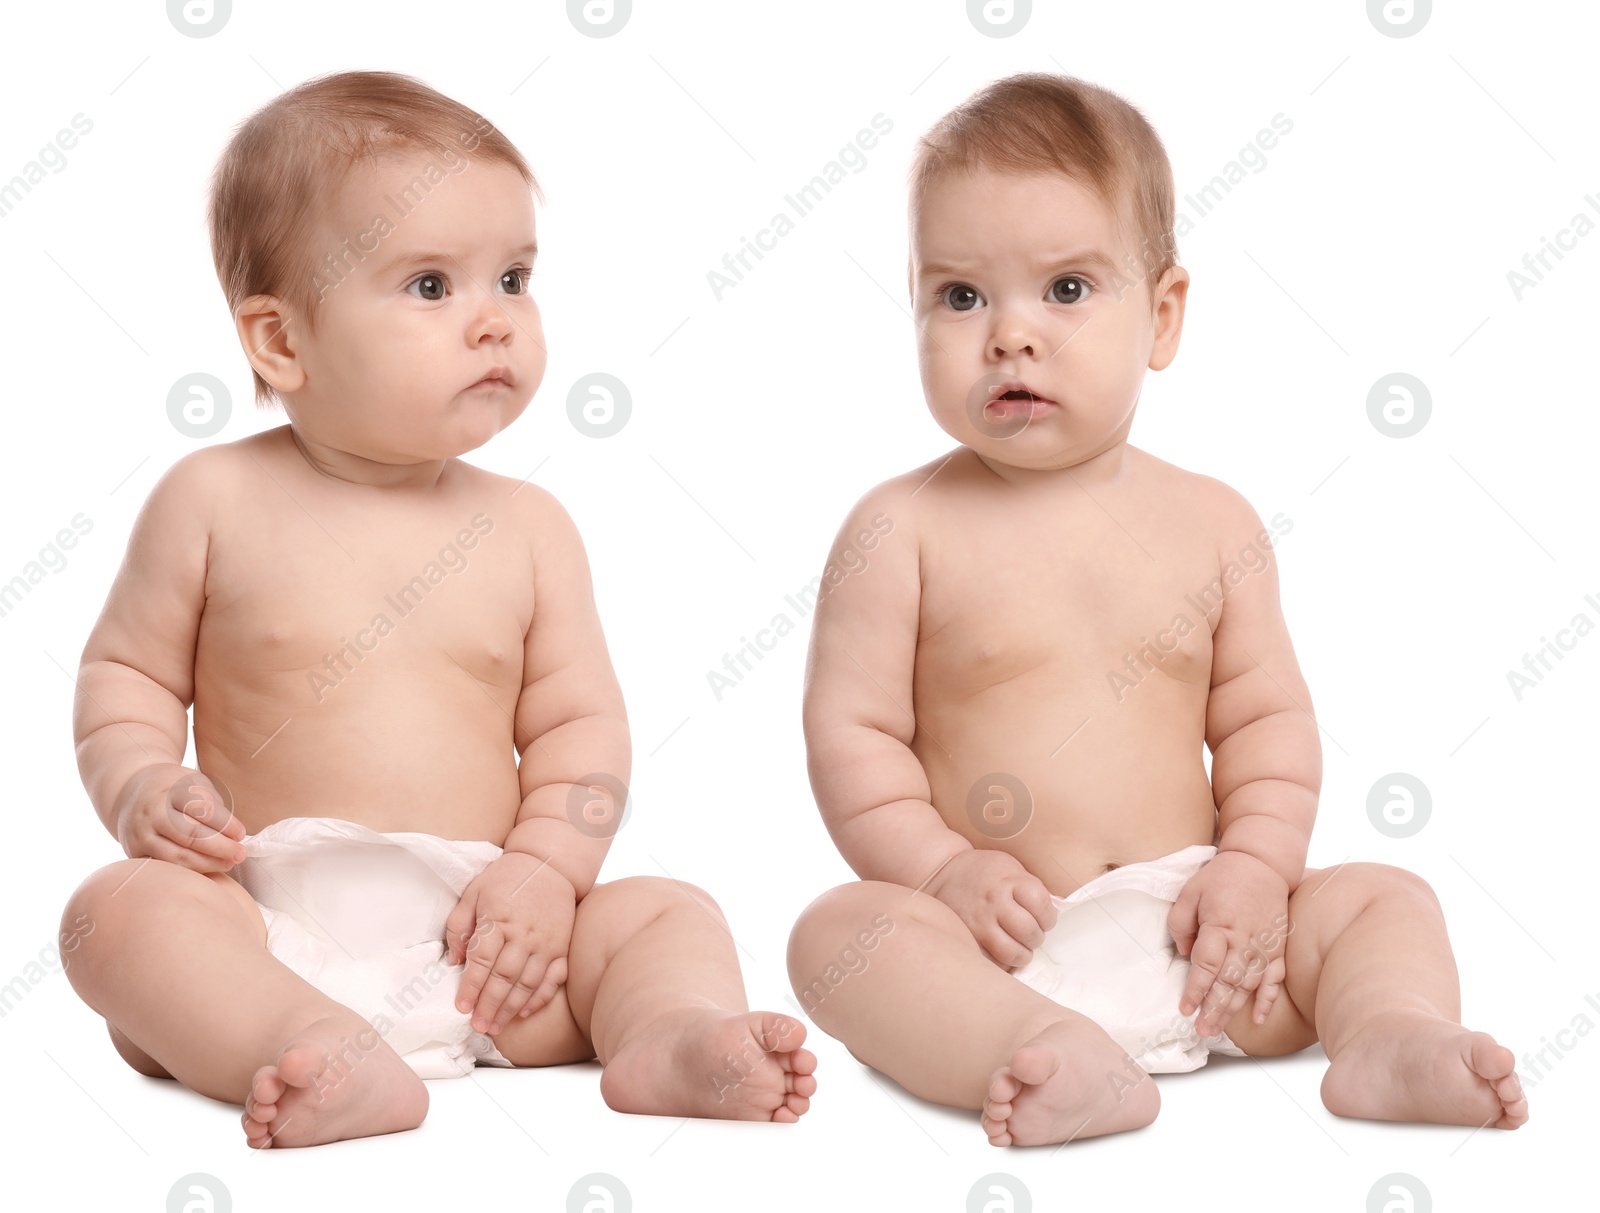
1004	398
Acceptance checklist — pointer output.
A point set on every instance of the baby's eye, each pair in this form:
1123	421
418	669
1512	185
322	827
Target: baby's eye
519	277
959	297
435	282
1070	289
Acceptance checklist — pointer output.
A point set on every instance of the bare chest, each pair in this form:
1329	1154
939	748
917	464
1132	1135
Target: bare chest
302	601
1088	607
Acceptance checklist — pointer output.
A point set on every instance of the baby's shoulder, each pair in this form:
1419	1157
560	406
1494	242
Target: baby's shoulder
526	509
899	502
1193	495
201	479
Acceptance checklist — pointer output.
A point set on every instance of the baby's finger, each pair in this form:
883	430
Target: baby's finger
532	990
504	993
458	927
1183	921
1019	923
1000	947
554	978
1267	992
1205	962
164	848
199	803
479	961
1033	897
1221	1004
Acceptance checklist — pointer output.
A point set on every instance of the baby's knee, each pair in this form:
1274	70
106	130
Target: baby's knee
841	917
654	895
94	900
1382	879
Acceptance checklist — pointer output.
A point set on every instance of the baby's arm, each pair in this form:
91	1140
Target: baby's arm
869	785
513	924
1266	761
570	722
1231	919
136	681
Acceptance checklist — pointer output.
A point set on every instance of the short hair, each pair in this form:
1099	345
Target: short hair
283	169
1041	122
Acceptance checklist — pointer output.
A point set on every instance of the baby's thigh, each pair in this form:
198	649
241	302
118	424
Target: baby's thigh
548	1037
247	905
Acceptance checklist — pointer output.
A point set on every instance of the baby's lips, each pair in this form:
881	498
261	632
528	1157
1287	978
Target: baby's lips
982	392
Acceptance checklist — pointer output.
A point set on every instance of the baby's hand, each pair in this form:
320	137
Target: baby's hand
1005	906
1231	920
173	813
512	925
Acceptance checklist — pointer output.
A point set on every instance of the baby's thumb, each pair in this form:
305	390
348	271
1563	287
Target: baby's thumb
458	929
1183	922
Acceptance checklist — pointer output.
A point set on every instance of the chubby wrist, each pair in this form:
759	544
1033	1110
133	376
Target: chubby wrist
533	867
533	837
1250	860
947	867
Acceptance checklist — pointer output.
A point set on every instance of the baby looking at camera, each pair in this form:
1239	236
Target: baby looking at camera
1005	712
358	886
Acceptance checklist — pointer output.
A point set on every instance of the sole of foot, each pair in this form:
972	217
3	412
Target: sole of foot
324	1088
715	1064
1067	1083
1418	1067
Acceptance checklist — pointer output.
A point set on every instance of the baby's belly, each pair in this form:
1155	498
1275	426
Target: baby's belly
403	755
1068	786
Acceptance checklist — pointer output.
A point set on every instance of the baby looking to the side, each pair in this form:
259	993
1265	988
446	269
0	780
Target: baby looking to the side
372	634
1005	710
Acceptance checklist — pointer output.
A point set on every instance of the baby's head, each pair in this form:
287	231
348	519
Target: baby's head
1044	275
374	240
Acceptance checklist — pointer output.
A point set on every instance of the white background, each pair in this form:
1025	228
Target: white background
1377	238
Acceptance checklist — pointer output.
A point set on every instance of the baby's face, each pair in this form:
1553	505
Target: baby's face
443	300
1016	281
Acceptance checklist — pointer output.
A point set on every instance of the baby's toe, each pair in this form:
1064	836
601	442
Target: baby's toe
997	1131
1004	1086
267	1087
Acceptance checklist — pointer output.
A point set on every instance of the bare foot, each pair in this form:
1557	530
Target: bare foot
1066	1084
327	1085
1415	1066
708	1062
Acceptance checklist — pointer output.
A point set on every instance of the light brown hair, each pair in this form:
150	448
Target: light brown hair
280	177
1040	122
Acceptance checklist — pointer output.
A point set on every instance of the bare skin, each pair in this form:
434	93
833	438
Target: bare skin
369	629
1007	694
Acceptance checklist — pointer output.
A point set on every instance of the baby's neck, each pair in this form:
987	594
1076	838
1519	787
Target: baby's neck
355	469
1099	469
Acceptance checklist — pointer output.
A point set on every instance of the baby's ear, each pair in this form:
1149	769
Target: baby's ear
1168	298
265	329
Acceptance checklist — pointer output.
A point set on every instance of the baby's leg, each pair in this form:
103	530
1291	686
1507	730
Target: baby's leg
900	980
176	962
654	979
1369	964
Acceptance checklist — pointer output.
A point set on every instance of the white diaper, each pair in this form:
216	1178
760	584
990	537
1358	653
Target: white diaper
360	915
1110	957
